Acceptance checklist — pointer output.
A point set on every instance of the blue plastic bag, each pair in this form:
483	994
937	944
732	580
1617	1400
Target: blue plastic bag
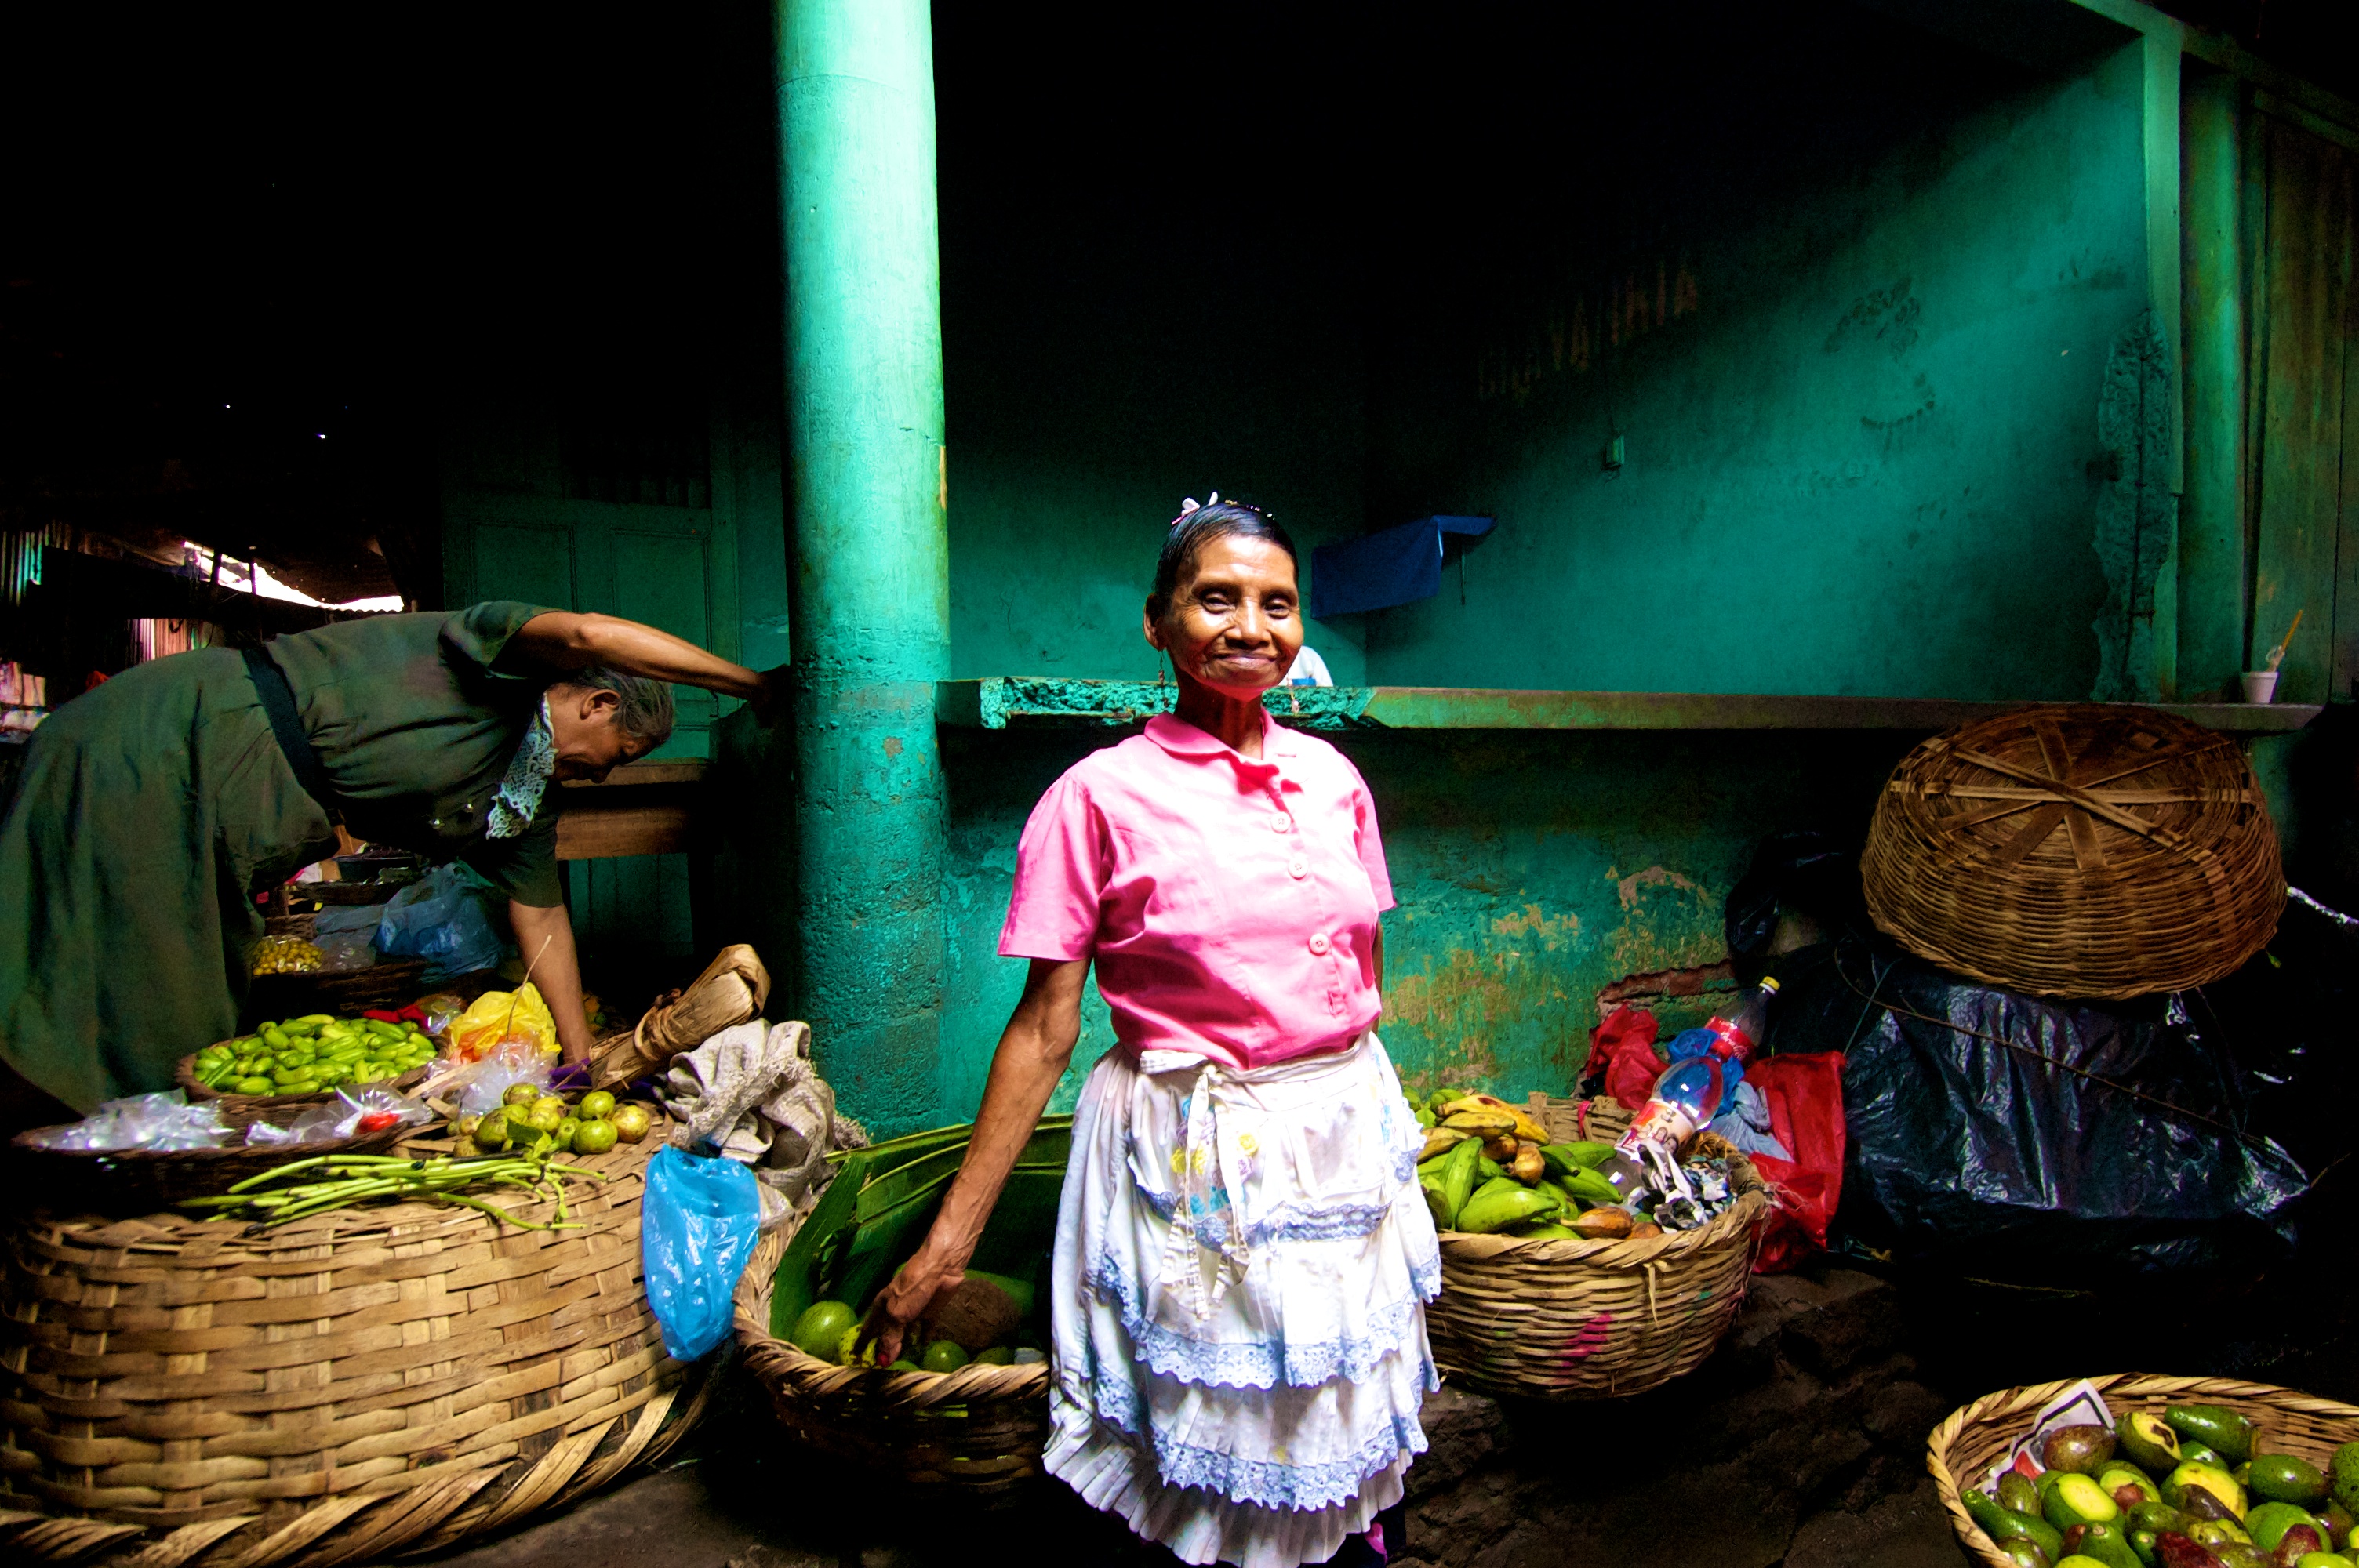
696	1229
441	919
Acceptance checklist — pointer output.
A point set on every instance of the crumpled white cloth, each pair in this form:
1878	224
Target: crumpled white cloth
753	1093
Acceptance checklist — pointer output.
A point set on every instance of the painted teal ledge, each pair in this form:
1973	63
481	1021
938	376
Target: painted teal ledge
1029	702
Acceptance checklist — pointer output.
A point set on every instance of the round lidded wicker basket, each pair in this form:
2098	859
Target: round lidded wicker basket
975	1433
1962	1450
2077	851
1580	1320
370	1381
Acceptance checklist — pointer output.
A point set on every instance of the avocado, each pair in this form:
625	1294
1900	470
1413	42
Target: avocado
2224	1432
2077	1500
2157	1517
2003	1525
2197	1454
2103	1542
2023	1554
2267	1521
2081	1448
2190	1485
2218	1532
2343	1471
2282	1478
2323	1560
2016	1492
2078	1561
2118	1479
2336	1517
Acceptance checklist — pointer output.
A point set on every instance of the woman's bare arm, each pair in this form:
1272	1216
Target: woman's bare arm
545	938
1034	1051
571	641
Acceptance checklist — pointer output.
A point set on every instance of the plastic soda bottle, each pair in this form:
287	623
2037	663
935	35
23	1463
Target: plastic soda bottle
1706	1065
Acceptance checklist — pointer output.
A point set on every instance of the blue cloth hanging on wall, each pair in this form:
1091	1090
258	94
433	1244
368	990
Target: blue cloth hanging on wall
1397	565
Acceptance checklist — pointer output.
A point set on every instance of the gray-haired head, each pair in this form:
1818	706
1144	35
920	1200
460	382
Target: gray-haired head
643	708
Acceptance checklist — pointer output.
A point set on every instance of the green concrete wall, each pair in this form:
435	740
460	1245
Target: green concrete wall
1859	431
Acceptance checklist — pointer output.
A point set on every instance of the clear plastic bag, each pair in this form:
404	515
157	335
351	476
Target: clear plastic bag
697	1226
477	1086
345	951
441	1010
350	1111
163	1121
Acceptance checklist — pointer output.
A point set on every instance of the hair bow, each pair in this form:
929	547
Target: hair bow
1188	505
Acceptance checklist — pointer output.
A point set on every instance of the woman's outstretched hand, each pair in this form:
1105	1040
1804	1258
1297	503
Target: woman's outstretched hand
906	1299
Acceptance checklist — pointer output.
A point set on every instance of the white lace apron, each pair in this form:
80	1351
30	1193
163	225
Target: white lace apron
1241	1267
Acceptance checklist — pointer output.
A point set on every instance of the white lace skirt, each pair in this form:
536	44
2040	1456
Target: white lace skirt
1243	1263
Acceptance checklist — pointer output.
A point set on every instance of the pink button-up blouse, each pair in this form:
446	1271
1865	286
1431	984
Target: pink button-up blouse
1229	904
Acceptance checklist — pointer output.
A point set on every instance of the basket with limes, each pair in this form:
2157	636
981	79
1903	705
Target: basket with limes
532	1120
312	1055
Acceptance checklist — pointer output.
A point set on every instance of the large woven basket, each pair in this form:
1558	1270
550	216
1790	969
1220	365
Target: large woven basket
2077	852
1962	1449
367	1383
1583	1320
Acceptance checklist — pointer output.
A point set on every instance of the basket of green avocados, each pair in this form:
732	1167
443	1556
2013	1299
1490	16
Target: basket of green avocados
2126	1470
1551	1288
966	1413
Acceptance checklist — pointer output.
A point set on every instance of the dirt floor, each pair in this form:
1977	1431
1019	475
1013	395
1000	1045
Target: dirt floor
1799	1444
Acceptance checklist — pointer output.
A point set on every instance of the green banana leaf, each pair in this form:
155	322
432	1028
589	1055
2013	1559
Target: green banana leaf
884	1197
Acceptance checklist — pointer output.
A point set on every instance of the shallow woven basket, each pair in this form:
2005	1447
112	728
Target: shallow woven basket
345	992
184	1077
1582	1320
137	1181
2079	852
975	1433
1962	1449
367	1383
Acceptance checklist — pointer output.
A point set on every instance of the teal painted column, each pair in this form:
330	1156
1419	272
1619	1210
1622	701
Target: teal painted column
2211	565
870	568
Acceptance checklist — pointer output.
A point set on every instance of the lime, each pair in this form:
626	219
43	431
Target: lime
905	1365
597	1103
943	1356
565	1133
594	1137
521	1094
845	1347
820	1327
997	1356
631	1121
492	1134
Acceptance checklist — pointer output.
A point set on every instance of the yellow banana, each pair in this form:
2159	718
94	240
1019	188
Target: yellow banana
1485	1121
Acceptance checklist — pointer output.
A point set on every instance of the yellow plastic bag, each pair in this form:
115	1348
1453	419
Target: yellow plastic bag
500	1015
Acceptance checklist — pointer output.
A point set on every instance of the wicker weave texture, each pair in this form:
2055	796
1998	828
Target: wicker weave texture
2077	851
1962	1449
975	1433
1583	1320
369	1381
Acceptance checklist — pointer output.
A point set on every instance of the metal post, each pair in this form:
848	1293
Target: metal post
870	569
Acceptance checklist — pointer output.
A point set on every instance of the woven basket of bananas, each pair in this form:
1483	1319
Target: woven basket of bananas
1550	1289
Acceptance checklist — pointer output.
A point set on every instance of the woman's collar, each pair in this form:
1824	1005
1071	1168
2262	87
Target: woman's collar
1181	738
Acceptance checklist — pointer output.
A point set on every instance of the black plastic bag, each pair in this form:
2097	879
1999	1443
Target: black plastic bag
2075	1145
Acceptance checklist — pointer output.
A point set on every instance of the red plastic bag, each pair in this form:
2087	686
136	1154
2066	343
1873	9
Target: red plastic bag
1625	1044
1804	1094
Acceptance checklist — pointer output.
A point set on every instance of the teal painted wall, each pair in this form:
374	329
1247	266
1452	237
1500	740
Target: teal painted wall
1859	429
1856	354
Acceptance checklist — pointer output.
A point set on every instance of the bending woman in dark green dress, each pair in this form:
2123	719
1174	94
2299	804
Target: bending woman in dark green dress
151	810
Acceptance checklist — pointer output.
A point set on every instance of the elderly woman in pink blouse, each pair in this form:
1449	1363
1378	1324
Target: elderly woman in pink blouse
1243	1256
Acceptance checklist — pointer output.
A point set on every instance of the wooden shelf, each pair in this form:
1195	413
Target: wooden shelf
1026	702
640	808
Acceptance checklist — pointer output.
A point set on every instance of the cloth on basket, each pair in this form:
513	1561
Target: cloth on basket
752	1092
1242	1266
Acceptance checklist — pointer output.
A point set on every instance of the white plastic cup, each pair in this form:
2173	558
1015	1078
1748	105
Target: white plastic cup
2260	686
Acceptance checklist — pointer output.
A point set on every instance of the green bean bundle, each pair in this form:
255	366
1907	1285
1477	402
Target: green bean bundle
340	1181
